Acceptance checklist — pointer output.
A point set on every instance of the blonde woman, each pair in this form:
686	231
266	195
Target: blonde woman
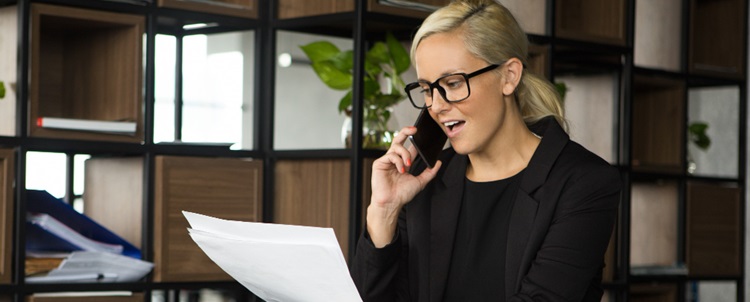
514	210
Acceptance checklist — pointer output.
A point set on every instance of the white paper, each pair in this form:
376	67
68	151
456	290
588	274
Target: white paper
276	262
86	266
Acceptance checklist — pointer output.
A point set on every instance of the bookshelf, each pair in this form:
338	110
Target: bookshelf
638	73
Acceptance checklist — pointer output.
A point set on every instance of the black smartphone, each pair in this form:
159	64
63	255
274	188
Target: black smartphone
429	139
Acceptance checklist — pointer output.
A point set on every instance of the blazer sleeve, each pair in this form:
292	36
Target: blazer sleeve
568	264
380	274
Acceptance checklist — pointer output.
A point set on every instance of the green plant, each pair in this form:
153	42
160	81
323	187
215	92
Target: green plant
384	63
2	89
562	89
697	135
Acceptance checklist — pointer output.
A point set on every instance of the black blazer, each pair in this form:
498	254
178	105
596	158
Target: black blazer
560	227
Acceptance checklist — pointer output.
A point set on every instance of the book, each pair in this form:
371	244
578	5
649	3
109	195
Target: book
119	127
40	240
62	231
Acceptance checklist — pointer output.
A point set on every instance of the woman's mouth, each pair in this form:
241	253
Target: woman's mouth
453	127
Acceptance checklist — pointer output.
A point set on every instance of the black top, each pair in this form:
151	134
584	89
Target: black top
477	270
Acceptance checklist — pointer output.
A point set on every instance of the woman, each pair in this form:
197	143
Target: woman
514	210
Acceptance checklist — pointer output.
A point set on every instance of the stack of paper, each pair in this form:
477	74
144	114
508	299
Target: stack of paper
277	262
83	266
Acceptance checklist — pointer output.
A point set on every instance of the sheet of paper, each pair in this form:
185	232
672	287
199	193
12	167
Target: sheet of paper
276	262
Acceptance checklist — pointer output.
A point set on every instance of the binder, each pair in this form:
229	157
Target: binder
40	240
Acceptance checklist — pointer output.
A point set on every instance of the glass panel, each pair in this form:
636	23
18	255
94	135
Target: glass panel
217	88
591	109
164	88
307	115
658	34
718	108
714	291
46	171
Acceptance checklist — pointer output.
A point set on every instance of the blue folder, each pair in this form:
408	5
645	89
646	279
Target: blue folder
40	240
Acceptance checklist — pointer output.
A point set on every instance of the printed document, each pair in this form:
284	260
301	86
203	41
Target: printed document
278	263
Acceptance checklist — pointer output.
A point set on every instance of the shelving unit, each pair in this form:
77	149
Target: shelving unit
638	73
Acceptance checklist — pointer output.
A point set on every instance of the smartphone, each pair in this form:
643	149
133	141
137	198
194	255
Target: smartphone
429	139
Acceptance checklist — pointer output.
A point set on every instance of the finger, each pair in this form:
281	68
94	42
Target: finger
428	174
402	135
390	160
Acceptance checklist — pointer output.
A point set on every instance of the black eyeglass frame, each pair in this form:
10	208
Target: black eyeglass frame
441	90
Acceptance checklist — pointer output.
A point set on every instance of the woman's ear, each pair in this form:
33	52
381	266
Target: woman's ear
514	71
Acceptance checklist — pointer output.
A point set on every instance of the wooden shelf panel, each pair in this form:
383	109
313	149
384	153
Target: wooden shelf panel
717	48
85	64
113	195
714	228
653	292
658	125
134	297
7	177
591	20
227	188
236	8
305	8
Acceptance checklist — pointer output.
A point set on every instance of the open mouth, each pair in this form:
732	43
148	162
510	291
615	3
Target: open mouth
453	124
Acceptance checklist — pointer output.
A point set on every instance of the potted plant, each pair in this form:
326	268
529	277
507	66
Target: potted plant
384	63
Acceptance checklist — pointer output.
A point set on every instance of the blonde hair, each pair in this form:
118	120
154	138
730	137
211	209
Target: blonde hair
491	33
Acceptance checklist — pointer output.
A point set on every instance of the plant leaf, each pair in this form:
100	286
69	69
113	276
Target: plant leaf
698	135
345	102
344	61
332	76
378	54
320	51
2	89
399	55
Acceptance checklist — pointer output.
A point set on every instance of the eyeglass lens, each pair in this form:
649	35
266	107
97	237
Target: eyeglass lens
452	88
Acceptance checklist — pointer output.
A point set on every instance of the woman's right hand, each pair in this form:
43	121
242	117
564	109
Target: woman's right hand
393	187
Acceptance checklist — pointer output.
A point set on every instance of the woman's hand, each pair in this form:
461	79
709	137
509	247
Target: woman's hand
393	187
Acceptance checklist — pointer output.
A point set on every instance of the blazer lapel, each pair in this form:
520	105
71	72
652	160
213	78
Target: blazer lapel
445	206
525	207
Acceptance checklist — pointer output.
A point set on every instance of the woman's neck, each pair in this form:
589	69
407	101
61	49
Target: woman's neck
508	154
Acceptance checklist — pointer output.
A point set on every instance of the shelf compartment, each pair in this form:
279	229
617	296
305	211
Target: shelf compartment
591	20
653	292
8	55
658	34
717	48
236	8
7	172
713	229
84	297
314	193
654	227
591	110
226	188
113	195
719	108
658	124
85	64
305	8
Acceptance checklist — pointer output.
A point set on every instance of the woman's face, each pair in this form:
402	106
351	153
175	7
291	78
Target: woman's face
471	124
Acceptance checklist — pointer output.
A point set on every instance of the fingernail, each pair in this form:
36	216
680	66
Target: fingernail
402	170
408	162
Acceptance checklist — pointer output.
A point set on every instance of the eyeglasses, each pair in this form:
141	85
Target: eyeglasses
453	88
